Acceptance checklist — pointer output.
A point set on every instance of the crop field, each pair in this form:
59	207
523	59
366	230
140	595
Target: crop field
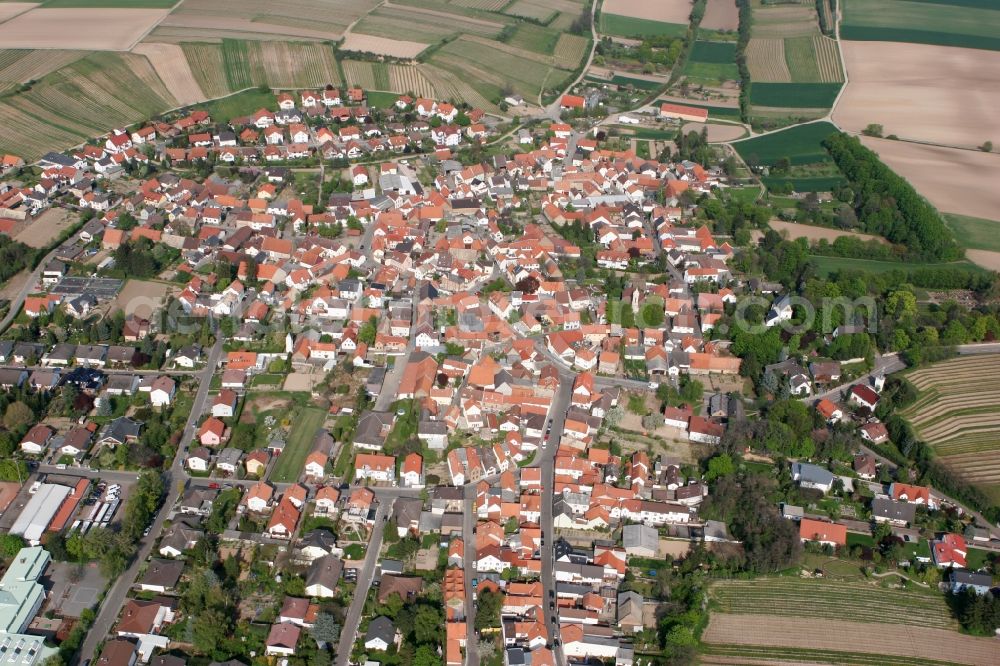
570	50
91	29
416	24
818	598
626	26
534	38
827	59
766	60
956	414
83	99
449	85
489	66
712	62
20	65
289	465
486	5
367	75
237	64
279	18
721	15
409	79
538	11
965	23
794	95
784	20
827	266
208	68
800	144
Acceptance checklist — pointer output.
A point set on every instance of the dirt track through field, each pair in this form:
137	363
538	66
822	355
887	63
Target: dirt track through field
897	639
173	69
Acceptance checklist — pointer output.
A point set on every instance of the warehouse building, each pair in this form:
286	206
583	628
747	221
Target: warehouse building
39	512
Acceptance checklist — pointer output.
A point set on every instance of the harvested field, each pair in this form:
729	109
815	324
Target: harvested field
766	60
667	11
20	65
44	230
718	132
955	412
84	29
141	297
397	48
985	258
9	10
928	93
812	233
955	181
173	69
416	24
833	635
721	15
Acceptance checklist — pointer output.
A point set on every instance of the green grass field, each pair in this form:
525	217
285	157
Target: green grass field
716	52
290	463
794	95
975	233
241	104
800	144
826	266
626	26
971	24
381	100
710	72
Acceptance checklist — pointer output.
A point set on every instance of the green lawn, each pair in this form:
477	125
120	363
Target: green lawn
717	52
971	24
626	26
794	95
745	194
381	100
241	104
975	233
290	463
800	144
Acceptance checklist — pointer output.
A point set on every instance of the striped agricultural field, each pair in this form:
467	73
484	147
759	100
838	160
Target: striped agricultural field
367	75
570	50
409	79
828	59
766	60
956	414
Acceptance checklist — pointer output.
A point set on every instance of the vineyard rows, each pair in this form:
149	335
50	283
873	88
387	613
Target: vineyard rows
766	60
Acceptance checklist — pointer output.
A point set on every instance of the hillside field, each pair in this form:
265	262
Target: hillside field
956	414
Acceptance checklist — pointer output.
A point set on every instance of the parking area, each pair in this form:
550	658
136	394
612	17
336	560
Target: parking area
73	588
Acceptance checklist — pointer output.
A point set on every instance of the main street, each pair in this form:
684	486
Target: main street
173	481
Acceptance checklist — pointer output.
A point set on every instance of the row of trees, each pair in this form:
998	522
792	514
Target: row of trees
887	204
